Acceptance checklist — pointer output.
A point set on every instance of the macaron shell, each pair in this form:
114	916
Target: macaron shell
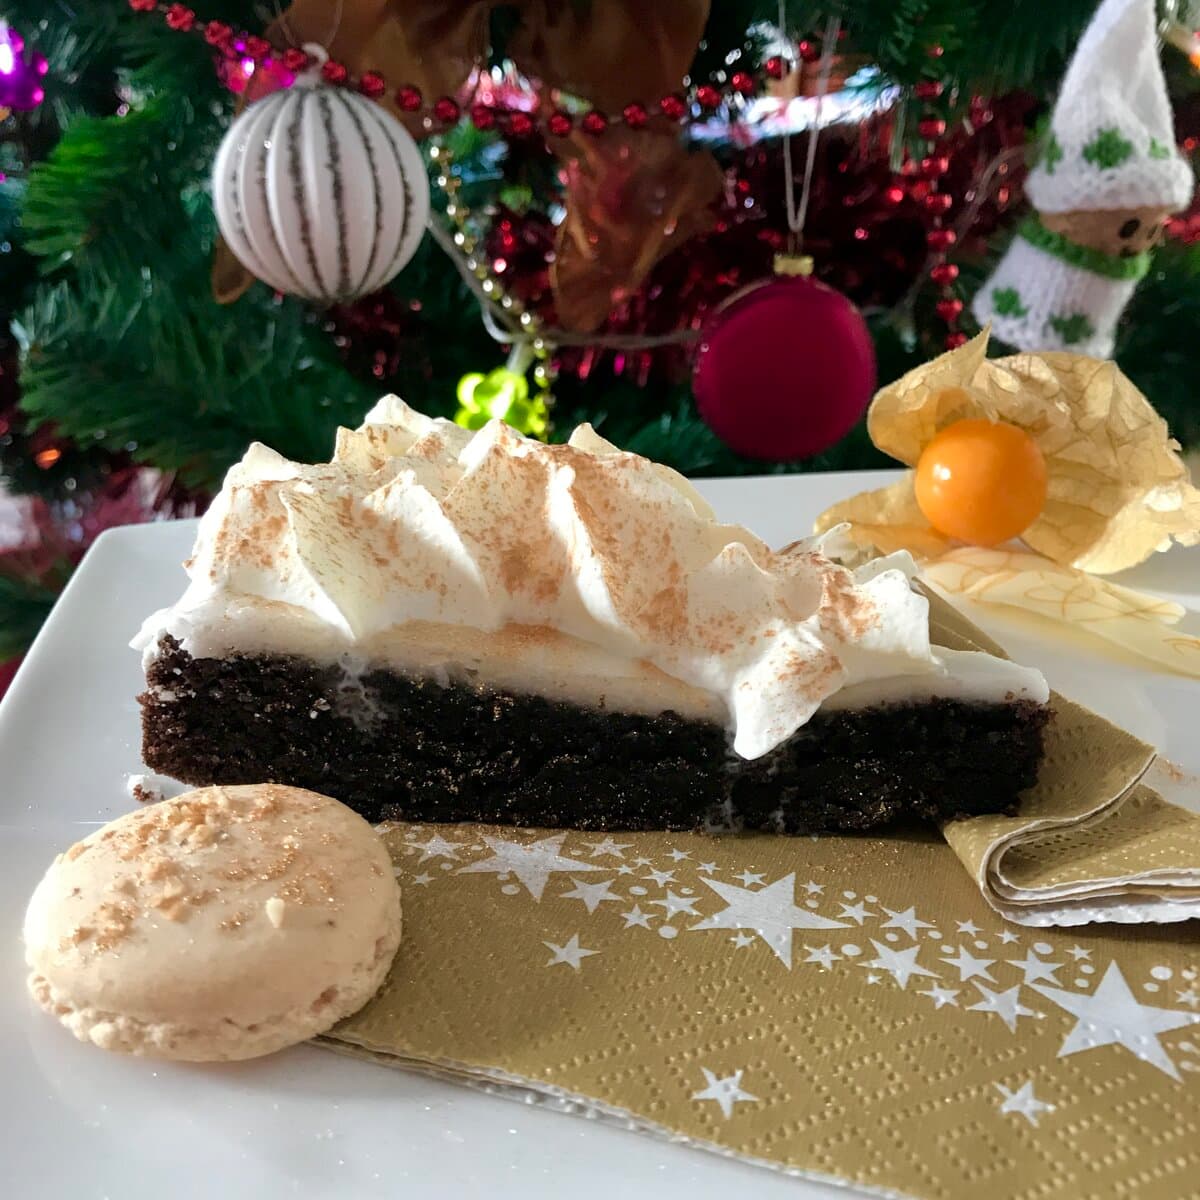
215	924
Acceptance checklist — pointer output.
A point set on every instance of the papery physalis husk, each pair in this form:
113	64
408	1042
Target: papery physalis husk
1137	622
1117	489
886	520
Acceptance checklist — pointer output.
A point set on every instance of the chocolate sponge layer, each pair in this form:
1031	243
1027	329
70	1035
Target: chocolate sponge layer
393	745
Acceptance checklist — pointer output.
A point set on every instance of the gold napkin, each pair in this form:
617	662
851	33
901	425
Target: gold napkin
1090	842
844	1009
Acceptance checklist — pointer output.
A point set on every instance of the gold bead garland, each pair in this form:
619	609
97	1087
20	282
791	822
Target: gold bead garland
449	182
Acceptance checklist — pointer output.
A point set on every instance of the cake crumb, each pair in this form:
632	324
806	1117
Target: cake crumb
275	908
145	788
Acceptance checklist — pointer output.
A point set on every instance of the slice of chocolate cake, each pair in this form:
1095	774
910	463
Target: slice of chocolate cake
447	626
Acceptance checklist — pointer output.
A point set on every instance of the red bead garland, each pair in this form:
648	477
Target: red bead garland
932	168
217	33
333	72
295	60
520	124
634	115
408	98
180	18
673	107
237	45
372	84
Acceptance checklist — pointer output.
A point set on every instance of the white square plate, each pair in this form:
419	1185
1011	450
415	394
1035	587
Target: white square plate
82	1124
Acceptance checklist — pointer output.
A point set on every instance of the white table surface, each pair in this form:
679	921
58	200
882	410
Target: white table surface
78	1123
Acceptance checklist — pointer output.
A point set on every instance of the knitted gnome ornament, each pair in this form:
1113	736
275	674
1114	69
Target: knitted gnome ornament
1109	176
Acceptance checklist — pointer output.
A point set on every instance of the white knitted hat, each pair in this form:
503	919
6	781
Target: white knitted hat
1112	141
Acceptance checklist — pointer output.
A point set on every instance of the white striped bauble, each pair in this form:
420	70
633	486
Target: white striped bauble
320	192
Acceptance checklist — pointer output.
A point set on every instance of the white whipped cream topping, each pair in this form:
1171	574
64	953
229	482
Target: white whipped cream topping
418	524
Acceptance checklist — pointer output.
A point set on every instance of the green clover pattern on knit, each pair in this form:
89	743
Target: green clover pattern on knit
1158	150
1053	153
1007	302
1072	329
1108	149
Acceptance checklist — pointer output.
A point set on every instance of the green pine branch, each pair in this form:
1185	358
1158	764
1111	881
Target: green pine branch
163	371
987	47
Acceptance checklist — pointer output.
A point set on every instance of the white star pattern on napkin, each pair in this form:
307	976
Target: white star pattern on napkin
1023	1101
572	954
855	912
1035	969
675	905
608	846
592	894
941	996
726	1092
1006	1005
822	955
902	965
970	967
436	847
661	878
907	920
531	862
1113	1016
770	912
635	916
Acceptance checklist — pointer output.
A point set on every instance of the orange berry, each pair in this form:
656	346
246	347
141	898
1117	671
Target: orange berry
981	481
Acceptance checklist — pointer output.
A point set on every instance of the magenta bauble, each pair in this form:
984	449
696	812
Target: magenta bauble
21	72
784	370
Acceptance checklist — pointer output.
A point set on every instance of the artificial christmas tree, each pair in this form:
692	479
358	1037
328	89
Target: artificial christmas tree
603	178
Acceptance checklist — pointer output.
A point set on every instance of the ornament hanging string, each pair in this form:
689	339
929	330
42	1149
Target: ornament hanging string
797	214
966	219
504	331
327	40
508	328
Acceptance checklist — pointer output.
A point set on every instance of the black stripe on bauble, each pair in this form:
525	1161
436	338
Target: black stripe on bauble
233	188
276	101
397	154
352	111
250	147
339	190
296	176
